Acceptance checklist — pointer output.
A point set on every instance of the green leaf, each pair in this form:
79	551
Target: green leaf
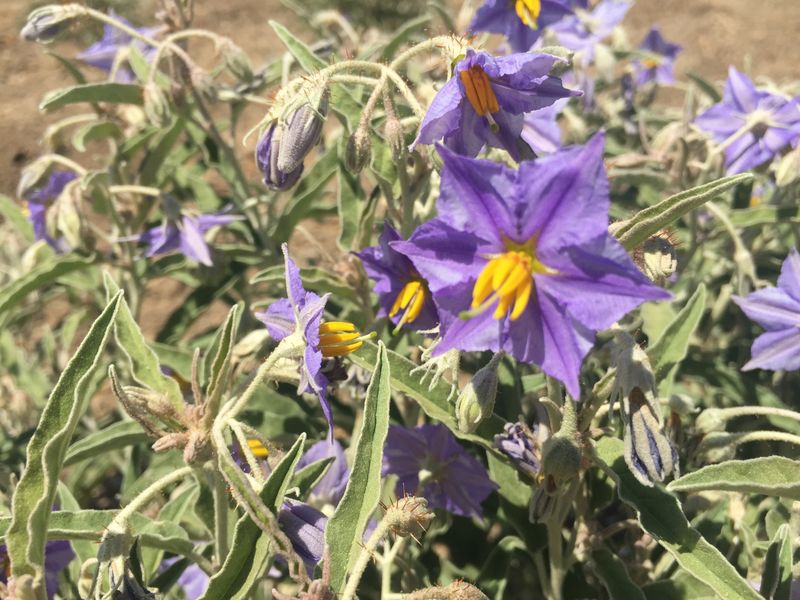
117	93
95	131
402	35
143	361
116	436
153	167
310	62
776	580
12	214
250	551
307	477
661	516
612	572
34	495
345	528
704	85
221	366
39	276
672	346
349	202
435	402
770	475
650	220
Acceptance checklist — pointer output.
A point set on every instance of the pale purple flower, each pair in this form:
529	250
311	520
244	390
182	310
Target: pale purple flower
776	309
541	130
403	295
193	581
57	555
521	261
486	99
330	489
103	53
752	123
305	526
517	20
40	199
586	29
657	61
429	462
521	445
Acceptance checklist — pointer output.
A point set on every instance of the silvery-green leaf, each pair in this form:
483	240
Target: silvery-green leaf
776	579
770	475
612	572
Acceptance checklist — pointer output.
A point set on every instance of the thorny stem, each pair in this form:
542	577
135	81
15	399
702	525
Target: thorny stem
367	551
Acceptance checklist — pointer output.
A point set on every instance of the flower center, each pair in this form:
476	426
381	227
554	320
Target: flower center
528	12
411	299
650	62
479	91
508	280
337	338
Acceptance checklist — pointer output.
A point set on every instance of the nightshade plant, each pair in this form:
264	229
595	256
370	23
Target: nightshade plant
482	335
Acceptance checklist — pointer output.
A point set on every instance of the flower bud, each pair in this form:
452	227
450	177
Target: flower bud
301	131
788	169
393	132
476	401
64	217
458	590
43	24
409	516
267	160
561	458
156	105
682	404
358	151
237	62
32	175
543	502
709	421
656	257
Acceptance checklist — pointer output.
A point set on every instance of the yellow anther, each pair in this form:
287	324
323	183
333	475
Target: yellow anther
650	63
337	338
479	90
258	449
411	299
528	12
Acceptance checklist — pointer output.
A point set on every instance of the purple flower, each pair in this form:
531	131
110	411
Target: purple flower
40	199
752	124
184	233
541	130
521	21
522	446
330	489
103	54
522	261
57	555
778	311
193	581
583	31
484	102
658	60
431	463
267	152
305	526
403	294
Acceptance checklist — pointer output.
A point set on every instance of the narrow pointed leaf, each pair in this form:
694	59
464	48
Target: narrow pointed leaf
310	62
672	346
776	580
116	93
612	572
770	475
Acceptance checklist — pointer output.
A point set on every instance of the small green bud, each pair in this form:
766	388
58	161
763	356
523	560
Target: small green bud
475	403
237	62
788	169
561	458
393	132
409	516
656	257
710	420
682	404
358	151
156	105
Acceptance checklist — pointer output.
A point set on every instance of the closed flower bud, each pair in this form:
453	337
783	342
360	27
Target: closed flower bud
656	257
409	516
267	160
542	503
476	401
237	62
709	420
156	105
561	458
393	132
45	23
682	404
301	131
358	151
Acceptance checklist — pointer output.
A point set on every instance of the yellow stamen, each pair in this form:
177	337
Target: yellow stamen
528	12
337	338
508	280
650	63
479	90
411	299
258	449
26	209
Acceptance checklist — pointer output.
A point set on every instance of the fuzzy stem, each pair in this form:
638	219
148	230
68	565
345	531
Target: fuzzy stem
134	189
364	557
386	566
430	44
741	411
220	494
148	494
737	439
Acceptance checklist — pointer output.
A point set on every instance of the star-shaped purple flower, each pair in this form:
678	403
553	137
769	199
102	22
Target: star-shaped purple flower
184	234
485	100
521	21
776	309
103	53
752	124
40	199
657	61
541	130
429	462
301	311
586	29
522	261
57	555
403	294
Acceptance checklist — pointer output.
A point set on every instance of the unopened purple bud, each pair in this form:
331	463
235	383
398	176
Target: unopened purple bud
301	132
45	23
267	160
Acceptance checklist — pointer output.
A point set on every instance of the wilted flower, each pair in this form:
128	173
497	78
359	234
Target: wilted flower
523	446
330	489
429	462
105	53
40	199
485	100
521	21
751	124
522	261
57	555
300	313
540	129
403	294
588	28
658	59
776	309
184	233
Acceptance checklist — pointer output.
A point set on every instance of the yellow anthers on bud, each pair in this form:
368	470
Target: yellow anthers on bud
258	449
509	279
479	91
337	338
411	299
528	12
